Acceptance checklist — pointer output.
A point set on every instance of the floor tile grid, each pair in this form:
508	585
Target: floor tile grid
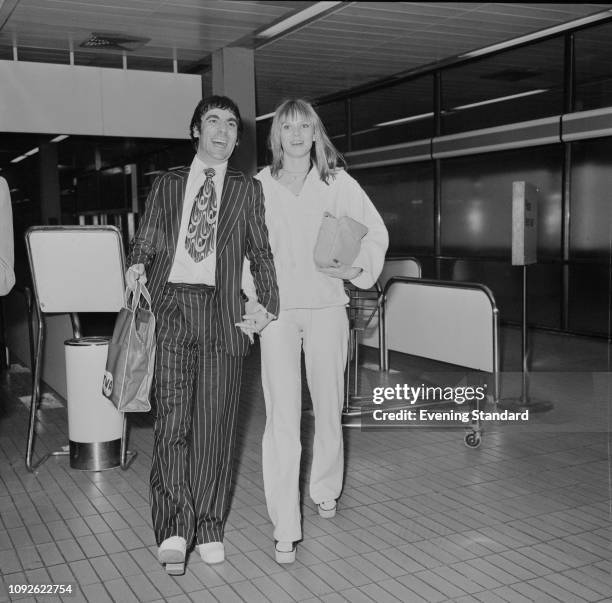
418	581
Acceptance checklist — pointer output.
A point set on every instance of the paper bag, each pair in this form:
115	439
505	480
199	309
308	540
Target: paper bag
131	355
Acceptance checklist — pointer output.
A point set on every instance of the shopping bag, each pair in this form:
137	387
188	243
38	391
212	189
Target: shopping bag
131	355
339	239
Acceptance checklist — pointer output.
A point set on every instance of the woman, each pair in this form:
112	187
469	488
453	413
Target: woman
303	182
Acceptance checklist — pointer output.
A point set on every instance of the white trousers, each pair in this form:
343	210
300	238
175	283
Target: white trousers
323	333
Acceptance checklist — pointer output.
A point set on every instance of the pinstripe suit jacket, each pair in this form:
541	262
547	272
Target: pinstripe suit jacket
241	231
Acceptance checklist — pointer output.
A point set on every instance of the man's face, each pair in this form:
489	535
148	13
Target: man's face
217	136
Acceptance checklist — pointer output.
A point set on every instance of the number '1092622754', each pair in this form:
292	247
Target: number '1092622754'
41	589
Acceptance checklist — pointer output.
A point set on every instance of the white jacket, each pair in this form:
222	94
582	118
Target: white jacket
293	223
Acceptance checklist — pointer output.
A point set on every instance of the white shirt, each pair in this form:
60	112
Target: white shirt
184	269
7	254
293	223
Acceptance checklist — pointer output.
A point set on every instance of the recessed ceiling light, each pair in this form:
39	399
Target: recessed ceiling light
296	19
499	99
403	120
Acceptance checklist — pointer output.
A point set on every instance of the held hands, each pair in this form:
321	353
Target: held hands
256	319
343	271
135	274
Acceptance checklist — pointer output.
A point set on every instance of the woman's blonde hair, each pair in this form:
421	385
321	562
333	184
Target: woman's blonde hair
325	157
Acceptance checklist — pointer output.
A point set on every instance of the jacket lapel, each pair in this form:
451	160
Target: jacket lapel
232	201
177	200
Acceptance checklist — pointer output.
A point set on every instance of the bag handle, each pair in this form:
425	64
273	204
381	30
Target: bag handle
129	297
145	293
141	290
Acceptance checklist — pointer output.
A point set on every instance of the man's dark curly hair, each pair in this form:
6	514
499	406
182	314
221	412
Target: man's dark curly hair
206	104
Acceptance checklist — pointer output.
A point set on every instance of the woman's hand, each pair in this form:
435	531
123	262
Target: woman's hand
259	318
255	320
343	271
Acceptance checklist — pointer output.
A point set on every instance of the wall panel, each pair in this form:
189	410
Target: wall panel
476	201
71	99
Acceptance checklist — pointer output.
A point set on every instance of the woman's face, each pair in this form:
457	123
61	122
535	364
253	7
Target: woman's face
297	136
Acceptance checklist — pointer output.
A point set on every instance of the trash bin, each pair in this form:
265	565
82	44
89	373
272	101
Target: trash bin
95	426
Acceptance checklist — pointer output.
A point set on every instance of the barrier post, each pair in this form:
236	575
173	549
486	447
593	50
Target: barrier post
524	253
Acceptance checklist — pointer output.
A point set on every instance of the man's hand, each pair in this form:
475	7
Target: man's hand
257	319
343	271
135	274
247	326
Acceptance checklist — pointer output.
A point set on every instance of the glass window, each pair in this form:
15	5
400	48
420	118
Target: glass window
506	284
59	56
392	115
111	60
476	201
333	116
590	205
589	298
264	155
593	49
403	194
517	85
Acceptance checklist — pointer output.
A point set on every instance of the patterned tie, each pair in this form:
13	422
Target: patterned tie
200	239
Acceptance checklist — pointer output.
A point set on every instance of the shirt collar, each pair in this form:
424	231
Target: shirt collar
199	166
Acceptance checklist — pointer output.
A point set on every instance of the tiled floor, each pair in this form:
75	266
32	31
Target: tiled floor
525	517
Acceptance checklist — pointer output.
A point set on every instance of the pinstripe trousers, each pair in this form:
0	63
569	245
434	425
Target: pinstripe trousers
197	387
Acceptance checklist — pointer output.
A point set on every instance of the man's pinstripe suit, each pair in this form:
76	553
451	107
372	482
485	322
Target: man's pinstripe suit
199	352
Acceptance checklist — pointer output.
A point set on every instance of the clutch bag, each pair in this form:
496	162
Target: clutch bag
338	240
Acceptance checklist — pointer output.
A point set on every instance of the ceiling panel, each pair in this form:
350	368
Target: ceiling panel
191	29
355	44
371	40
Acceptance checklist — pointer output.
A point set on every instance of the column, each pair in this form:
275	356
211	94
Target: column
50	204
233	75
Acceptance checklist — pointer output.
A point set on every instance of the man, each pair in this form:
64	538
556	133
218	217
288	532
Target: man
199	225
